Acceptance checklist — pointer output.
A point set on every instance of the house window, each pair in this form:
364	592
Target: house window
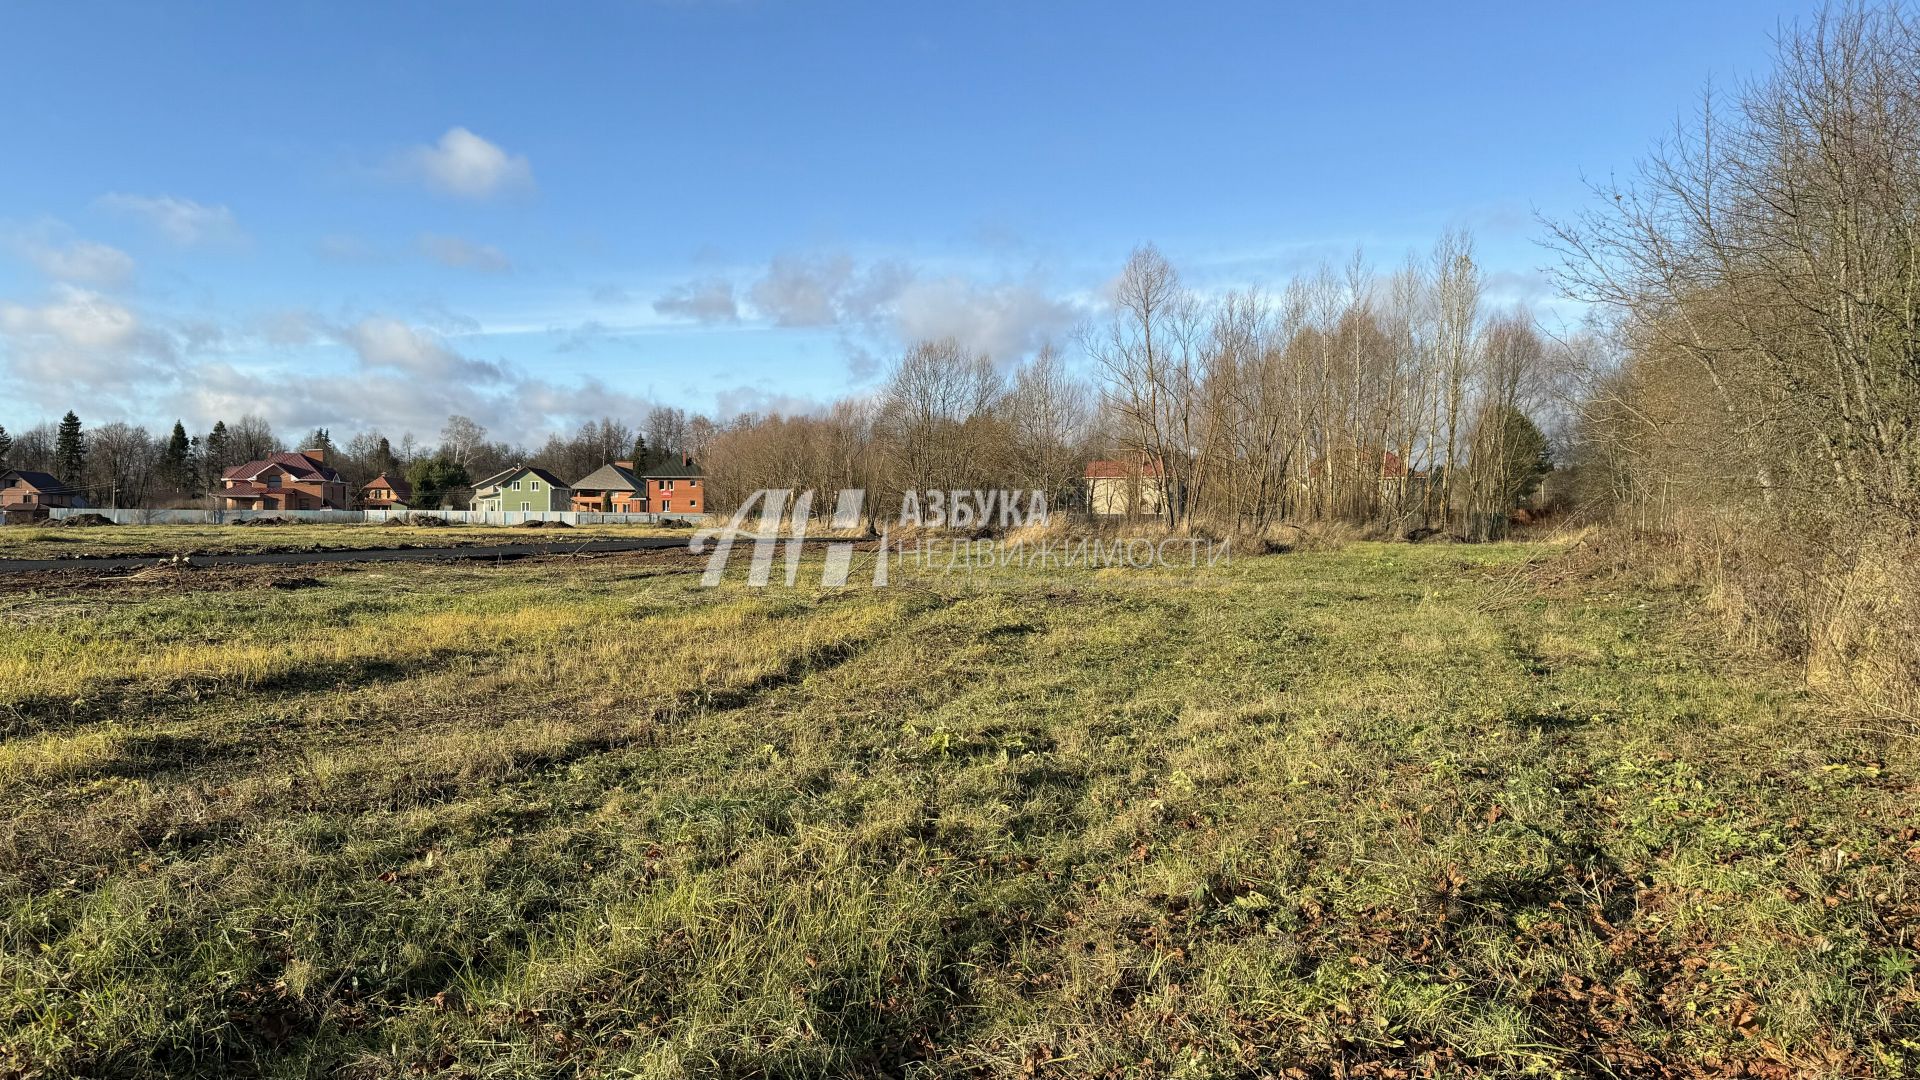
533	485
693	483
525	506
515	485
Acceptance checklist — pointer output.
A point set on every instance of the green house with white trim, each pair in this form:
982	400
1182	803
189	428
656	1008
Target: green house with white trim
522	488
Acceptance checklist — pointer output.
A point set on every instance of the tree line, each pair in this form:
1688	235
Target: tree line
1402	399
124	464
1749	391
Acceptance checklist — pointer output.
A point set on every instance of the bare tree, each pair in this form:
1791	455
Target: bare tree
461	441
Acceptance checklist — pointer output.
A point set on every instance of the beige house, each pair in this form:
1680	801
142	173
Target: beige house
1126	488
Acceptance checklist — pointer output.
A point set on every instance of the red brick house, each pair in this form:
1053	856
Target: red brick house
23	490
385	492
290	481
620	488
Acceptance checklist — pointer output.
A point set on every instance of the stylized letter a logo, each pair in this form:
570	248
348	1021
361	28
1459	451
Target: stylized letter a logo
772	503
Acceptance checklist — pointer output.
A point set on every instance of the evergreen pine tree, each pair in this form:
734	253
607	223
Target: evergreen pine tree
6	444
176	465
70	449
216	449
384	459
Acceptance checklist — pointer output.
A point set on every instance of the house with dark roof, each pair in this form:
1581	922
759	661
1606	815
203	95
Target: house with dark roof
611	489
620	488
289	481
522	488
386	492
27	491
675	488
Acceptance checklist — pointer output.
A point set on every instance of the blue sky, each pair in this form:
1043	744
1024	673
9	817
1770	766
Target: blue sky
369	216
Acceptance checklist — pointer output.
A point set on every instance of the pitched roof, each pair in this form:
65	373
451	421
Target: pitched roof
1116	470
297	465
609	478
681	470
401	489
490	481
508	474
46	483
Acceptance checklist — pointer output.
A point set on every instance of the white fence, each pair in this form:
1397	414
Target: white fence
370	517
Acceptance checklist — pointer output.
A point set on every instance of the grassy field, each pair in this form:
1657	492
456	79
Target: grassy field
1388	811
62	542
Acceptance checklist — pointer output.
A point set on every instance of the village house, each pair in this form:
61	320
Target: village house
675	489
288	481
611	489
620	488
523	488
1122	488
23	491
385	492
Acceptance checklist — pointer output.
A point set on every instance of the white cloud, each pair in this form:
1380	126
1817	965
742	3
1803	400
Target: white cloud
764	401
884	304
76	348
1005	321
709	301
826	290
348	248
802	292
402	377
76	318
80	347
389	343
465	254
82	261
465	165
85	261
183	221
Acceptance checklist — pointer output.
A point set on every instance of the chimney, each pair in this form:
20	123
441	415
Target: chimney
318	454
627	465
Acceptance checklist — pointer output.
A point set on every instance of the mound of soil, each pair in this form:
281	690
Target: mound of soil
261	521
543	525
82	521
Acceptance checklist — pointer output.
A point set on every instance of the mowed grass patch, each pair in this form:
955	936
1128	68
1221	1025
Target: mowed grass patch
1385	808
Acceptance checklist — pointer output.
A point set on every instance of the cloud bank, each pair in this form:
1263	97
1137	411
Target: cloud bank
885	303
183	221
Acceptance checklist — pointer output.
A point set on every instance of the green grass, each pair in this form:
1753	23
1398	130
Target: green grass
50	542
1430	809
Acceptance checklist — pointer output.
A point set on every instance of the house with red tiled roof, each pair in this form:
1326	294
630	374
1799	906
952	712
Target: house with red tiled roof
287	481
385	492
1126	487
